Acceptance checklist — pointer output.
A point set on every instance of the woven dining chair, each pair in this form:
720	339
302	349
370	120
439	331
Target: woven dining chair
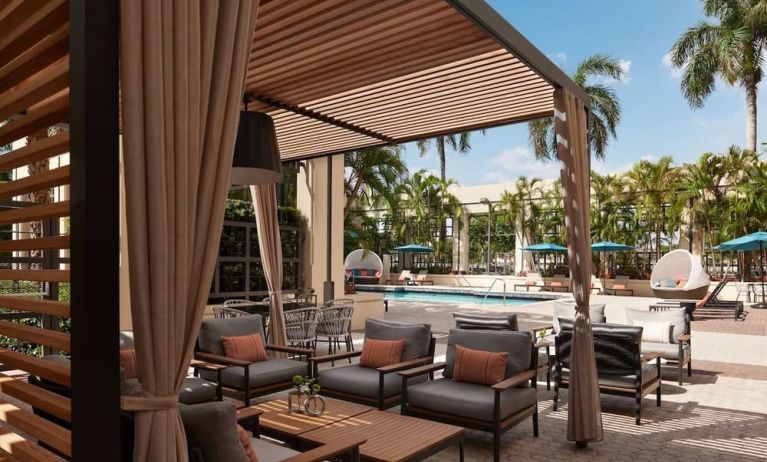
335	324
301	326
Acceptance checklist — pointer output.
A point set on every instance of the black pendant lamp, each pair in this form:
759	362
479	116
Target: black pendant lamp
256	155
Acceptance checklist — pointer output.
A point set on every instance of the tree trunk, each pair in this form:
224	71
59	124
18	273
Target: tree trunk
441	152
751	116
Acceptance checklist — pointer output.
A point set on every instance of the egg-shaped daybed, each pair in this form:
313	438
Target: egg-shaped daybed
363	266
679	275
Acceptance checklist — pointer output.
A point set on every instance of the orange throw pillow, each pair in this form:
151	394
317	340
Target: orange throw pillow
556	284
477	366
380	353
619	286
128	362
245	347
247	443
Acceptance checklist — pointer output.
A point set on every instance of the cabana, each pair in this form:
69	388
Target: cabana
363	266
679	275
332	76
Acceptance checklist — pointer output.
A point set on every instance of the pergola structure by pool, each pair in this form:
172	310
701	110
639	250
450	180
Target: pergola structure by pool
335	75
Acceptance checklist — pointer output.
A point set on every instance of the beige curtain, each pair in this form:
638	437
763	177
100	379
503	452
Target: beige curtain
584	422
265	207
182	75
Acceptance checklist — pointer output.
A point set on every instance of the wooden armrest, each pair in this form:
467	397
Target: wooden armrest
515	379
288	349
650	355
683	338
248	414
422	370
339	447
218	359
404	365
206	366
335	357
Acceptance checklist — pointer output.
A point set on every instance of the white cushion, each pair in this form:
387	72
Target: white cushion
654	331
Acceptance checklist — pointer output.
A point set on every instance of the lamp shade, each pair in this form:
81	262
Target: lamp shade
256	155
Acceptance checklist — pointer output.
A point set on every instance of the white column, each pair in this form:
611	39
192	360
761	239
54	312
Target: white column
312	202
461	243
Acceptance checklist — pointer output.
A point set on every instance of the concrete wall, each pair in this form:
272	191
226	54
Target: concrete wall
312	201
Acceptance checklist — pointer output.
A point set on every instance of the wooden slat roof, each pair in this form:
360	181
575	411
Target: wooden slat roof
338	75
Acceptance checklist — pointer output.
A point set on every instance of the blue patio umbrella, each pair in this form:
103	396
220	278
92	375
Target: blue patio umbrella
413	248
749	243
604	247
545	248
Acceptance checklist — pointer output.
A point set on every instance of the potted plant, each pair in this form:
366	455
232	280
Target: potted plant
305	396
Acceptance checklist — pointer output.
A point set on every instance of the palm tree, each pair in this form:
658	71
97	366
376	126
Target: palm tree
459	142
430	202
373	176
521	209
655	186
731	48
590	75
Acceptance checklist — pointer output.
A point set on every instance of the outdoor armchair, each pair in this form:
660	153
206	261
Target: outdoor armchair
622	368
379	387
492	408
676	346
243	379
621	285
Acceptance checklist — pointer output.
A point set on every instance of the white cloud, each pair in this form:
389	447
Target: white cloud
522	162
675	72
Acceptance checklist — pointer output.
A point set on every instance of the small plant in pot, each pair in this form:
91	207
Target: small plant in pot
305	396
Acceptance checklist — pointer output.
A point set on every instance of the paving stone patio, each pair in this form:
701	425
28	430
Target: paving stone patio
719	414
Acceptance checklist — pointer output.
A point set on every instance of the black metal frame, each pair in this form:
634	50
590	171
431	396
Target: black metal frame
94	197
249	260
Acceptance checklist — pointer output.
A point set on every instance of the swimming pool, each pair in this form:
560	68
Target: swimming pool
451	296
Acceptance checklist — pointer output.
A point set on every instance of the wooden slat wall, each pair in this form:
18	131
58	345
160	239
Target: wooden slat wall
399	69
34	95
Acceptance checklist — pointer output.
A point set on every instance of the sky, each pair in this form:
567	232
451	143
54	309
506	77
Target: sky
656	119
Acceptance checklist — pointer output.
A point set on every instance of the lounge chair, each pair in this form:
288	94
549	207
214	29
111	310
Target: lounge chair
621	285
244	379
498	322
403	278
420	278
676	346
380	387
492	408
622	369
558	284
531	281
711	304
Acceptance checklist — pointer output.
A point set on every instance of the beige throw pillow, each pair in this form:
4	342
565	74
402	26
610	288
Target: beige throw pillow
653	331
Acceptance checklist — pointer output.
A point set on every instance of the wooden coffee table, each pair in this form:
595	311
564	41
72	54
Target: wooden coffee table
390	437
277	422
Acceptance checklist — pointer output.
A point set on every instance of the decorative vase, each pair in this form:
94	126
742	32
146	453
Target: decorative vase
295	401
314	405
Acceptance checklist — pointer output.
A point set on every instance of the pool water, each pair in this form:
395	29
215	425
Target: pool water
437	297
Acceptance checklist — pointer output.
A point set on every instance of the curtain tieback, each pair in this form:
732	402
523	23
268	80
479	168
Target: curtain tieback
149	403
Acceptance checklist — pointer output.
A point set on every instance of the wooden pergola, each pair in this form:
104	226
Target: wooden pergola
335	75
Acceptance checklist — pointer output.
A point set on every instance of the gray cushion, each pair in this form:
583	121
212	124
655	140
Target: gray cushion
417	336
212	330
262	373
669	350
362	381
649	372
519	346
468	399
211	431
486	321
271	452
616	346
126	339
565	309
195	390
677	317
